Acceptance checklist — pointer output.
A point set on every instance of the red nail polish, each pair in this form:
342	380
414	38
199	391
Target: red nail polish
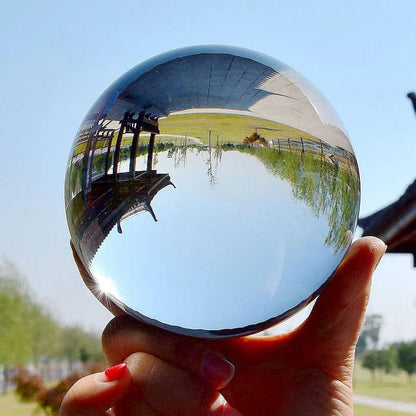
116	372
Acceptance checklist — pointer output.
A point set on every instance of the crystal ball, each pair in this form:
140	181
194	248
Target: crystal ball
211	191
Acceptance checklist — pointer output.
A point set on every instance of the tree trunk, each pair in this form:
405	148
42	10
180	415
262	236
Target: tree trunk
5	379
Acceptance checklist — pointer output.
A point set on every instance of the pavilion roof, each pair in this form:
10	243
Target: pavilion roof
395	224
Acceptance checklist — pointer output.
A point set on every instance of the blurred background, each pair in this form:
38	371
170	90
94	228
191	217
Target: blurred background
58	57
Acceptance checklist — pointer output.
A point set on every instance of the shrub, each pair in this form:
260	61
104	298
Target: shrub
28	385
50	399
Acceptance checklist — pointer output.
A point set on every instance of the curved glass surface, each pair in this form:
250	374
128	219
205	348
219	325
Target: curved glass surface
211	191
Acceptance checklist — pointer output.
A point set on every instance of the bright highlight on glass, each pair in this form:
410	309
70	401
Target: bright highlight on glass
211	191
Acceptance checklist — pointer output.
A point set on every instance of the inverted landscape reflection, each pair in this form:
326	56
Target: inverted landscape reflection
207	195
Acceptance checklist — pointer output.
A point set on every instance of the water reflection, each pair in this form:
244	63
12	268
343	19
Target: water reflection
263	180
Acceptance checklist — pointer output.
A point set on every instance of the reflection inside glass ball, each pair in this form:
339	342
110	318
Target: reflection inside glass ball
211	191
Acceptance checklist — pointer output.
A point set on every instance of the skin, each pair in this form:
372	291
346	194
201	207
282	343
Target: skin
306	372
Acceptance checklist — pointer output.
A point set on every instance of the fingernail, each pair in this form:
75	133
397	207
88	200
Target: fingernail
116	372
381	255
217	370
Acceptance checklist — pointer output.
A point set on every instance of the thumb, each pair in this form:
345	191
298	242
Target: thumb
336	319
94	394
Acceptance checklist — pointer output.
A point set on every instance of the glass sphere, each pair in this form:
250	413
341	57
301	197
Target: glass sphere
211	191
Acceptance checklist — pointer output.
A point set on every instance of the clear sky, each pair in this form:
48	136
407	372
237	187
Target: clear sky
57	58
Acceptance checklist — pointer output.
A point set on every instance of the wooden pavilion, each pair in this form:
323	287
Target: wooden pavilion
395	224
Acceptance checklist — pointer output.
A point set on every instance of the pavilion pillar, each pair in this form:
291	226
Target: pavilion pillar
107	159
150	152
123	126
86	162
134	144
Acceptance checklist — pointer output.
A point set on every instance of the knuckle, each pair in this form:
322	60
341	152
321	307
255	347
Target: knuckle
188	353
113	334
107	338
170	389
145	369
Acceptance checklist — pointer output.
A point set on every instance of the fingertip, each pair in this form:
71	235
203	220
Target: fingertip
370	248
116	372
96	393
217	370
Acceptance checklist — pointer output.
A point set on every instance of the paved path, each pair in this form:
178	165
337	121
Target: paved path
409	408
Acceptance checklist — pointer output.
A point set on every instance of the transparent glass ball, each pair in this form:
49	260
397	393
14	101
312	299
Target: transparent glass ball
211	191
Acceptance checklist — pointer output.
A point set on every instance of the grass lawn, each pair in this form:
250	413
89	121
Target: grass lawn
372	411
385	386
228	127
10	406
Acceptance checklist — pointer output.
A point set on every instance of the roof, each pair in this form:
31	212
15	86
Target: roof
222	80
395	224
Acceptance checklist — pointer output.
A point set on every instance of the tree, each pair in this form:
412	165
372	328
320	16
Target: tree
43	331
371	329
378	360
78	345
27	331
361	346
14	314
406	357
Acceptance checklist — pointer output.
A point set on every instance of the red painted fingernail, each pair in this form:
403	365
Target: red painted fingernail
116	372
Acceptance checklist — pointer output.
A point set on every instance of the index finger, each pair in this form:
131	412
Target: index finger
125	335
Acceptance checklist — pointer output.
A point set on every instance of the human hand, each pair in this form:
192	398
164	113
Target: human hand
306	372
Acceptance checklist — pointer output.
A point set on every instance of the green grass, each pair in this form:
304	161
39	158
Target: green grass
404	392
10	406
228	127
385	386
372	411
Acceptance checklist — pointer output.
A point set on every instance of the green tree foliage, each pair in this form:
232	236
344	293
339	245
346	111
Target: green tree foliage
406	357
334	194
371	328
78	345
361	346
29	333
43	330
326	181
14	315
378	360
370	333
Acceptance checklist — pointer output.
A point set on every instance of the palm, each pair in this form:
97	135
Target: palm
312	365
275	376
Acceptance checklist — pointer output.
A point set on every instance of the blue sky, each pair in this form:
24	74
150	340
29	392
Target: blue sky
57	58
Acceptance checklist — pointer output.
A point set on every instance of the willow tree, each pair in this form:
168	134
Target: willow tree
15	342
